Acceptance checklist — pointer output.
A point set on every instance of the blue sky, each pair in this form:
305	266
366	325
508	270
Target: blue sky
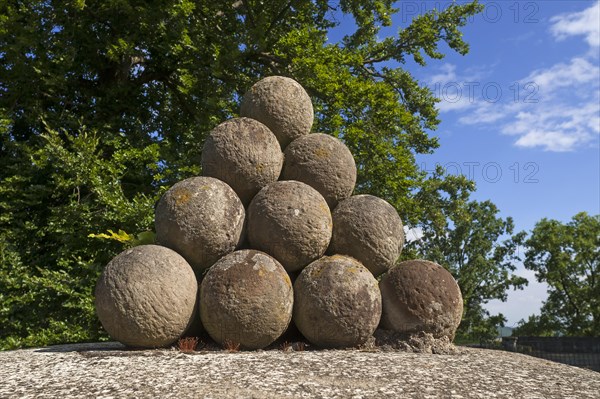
520	114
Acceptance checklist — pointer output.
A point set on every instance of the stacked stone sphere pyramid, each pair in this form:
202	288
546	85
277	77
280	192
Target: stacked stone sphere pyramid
274	205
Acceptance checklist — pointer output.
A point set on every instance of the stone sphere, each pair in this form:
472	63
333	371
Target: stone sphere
246	298
421	296
337	302
290	221
243	153
202	219
324	163
146	296
282	104
369	229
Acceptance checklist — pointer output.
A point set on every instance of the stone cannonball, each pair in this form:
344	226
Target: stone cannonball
324	163
246	298
337	302
243	153
202	219
421	296
369	229
290	221
146	296
282	104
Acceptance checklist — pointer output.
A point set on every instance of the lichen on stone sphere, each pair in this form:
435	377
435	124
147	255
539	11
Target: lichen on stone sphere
337	302
146	296
324	163
290	221
420	296
370	230
282	104
201	218
243	153
246	298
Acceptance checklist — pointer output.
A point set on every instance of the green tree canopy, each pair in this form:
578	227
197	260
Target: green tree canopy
474	244
166	73
566	256
105	104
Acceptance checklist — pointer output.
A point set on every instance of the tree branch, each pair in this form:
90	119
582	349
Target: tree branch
266	59
249	16
185	104
568	295
279	16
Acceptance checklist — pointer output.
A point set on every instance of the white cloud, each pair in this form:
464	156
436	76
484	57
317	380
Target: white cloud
448	74
413	234
454	103
453	89
555	108
482	113
578	71
583	23
556	141
556	127
564	112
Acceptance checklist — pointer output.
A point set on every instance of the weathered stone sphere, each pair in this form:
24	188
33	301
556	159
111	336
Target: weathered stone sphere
201	218
145	296
369	229
246	298
290	221
337	302
324	163
243	153
421	296
282	104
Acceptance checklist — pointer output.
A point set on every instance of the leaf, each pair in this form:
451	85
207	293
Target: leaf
121	236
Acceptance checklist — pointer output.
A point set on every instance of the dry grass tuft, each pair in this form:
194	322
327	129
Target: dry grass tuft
231	346
188	344
299	346
286	346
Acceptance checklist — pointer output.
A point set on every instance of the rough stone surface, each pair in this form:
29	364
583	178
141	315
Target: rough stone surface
290	221
146	296
243	153
421	296
106	370
324	163
337	302
282	104
246	298
202	219
420	342
369	229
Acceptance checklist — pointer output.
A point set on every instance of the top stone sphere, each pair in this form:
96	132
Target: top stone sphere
201	218
282	104
243	153
324	163
368	229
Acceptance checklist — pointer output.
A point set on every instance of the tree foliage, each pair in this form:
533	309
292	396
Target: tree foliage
51	198
105	104
474	244
566	256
